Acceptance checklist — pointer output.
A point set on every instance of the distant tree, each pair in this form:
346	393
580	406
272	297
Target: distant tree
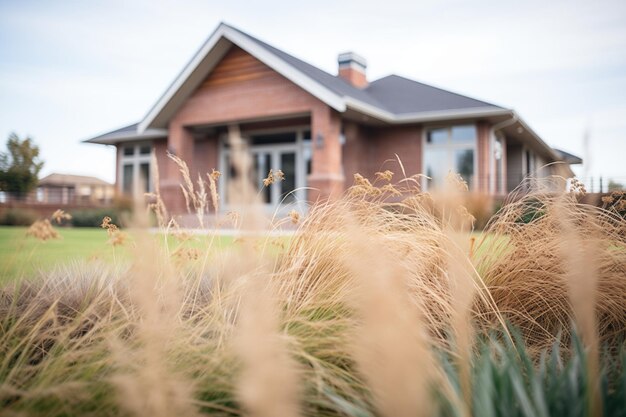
19	166
615	186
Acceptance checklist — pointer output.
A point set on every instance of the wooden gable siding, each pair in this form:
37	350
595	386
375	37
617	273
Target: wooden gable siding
239	88
237	66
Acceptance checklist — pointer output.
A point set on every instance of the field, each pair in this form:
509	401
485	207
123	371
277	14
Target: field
377	306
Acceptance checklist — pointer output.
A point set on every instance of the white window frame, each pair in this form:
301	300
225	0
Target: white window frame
450	146
301	148
529	168
136	159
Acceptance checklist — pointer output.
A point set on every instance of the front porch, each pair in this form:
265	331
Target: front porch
305	148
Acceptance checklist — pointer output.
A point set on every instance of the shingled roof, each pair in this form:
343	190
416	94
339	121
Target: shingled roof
56	179
392	99
395	94
568	157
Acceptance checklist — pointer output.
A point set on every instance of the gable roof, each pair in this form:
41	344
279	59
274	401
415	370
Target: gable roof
336	84
392	99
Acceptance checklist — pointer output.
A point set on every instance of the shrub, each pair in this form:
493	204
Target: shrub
532	211
93	217
18	217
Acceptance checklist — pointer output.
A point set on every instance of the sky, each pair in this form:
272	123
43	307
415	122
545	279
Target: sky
70	70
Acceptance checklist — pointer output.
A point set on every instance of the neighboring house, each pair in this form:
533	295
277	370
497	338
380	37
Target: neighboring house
319	128
66	189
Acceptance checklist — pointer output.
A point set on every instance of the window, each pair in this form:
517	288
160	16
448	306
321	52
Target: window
135	166
127	178
450	149
530	163
289	151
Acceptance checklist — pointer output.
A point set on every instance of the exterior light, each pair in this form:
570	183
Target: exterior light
319	140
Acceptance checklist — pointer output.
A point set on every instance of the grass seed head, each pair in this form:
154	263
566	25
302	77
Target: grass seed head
42	230
59	216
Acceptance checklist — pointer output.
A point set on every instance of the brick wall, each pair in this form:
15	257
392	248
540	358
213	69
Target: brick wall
356	151
405	141
327	178
371	149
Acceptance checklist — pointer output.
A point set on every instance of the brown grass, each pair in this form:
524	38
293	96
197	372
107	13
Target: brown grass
345	318
530	268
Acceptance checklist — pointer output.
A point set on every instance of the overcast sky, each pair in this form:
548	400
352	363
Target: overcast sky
72	69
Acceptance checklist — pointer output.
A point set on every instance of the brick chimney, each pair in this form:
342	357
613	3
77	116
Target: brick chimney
352	69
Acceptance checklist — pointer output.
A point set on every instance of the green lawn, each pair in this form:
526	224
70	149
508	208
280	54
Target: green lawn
23	257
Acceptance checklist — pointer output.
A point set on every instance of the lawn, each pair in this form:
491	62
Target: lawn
22	256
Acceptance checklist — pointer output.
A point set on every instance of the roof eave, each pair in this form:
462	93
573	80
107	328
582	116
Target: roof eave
422	117
115	138
568	157
551	152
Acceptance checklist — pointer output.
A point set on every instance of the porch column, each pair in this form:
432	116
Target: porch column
483	171
180	143
327	178
118	176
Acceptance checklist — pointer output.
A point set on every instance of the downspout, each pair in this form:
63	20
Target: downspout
505	123
499	126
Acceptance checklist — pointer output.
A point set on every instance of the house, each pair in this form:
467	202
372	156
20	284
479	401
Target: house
320	128
64	189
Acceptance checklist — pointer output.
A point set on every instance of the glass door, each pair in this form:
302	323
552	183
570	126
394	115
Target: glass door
285	152
275	159
287	163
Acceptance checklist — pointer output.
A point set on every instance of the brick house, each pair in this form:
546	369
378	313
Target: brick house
321	128
70	189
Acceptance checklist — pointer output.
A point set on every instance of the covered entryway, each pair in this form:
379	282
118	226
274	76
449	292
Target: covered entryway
287	150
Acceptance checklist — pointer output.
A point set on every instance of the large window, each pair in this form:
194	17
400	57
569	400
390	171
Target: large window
450	149
135	165
288	151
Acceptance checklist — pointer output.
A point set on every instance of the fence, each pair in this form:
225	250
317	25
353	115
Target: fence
601	184
54	197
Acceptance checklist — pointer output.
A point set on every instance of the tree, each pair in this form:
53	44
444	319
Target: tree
19	166
615	186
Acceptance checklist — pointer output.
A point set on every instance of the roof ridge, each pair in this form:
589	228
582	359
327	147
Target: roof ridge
254	38
352	89
345	84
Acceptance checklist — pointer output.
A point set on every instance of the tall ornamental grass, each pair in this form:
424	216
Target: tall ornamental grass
383	303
